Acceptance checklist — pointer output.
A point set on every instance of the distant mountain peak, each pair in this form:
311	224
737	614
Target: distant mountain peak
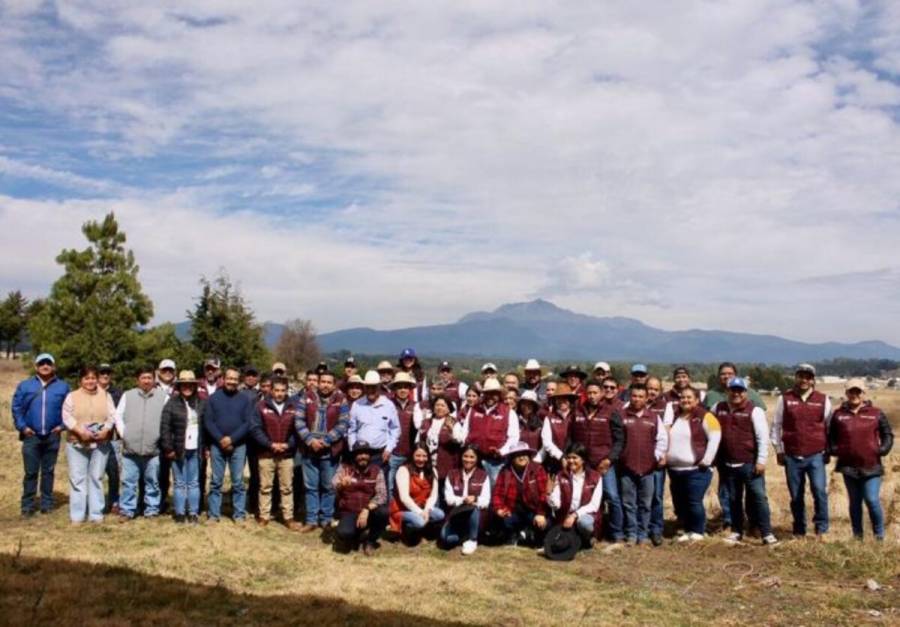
537	309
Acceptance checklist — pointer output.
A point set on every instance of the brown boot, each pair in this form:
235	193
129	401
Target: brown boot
263	522
309	528
293	525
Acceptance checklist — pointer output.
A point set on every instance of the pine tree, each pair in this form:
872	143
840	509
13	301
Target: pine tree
13	319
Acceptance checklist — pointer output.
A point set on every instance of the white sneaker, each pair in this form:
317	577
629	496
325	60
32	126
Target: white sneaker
770	540
732	538
469	547
683	537
694	537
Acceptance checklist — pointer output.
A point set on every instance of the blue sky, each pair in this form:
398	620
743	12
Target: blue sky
715	165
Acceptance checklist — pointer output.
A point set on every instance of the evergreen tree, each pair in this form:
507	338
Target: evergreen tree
13	319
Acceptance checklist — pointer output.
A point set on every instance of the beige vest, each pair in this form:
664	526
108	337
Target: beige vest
88	408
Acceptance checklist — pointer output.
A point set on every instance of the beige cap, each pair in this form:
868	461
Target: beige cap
186	376
855	383
492	384
385	365
532	364
402	378
279	366
356	380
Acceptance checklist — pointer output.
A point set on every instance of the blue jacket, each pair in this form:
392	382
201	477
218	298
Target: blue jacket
228	414
37	406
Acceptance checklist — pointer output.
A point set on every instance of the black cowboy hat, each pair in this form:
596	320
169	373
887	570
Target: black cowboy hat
572	369
561	544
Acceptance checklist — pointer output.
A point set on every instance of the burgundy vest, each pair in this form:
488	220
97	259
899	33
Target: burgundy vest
738	436
448	451
803	426
531	437
277	427
475	483
699	440
638	455
592	430
487	429
856	436
451	391
357	496
560	428
405	416
591	479
332	415
658	406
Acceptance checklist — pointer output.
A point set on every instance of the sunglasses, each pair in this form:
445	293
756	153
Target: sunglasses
610	387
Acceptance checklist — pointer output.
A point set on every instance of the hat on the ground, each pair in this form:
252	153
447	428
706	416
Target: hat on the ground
372	378
357	380
166	363
492	385
639	369
529	396
384	365
737	383
520	448
532	364
573	371
856	383
408	352
808	368
464	508
279	366
403	378
561	544
186	377
563	390
44	357
602	365
212	361
361	446
445	365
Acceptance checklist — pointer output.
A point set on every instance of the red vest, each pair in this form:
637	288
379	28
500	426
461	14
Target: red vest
475	483
560	428
487	428
738	435
608	408
332	415
451	391
591	479
803	425
699	440
639	453
277	426
658	406
856	436
592	430
357	496
531	437
448	451
405	416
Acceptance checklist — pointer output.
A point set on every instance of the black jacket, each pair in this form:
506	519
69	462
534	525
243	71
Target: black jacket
173	425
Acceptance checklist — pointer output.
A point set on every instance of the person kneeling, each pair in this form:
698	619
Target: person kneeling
520	496
468	492
576	495
414	502
361	501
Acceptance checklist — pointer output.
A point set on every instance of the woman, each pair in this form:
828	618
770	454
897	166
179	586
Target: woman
89	414
466	407
859	436
409	363
414	502
354	389
436	434
576	495
556	432
468	491
511	397
530	420
693	441
180	438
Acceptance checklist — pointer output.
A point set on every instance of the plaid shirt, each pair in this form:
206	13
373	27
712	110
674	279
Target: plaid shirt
534	483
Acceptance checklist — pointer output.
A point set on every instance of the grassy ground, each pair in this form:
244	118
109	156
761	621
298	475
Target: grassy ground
156	572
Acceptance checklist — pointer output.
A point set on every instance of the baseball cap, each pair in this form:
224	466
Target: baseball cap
214	362
602	365
350	361
445	365
855	383
251	369
806	368
44	357
102	368
407	352
488	366
167	363
639	369
737	382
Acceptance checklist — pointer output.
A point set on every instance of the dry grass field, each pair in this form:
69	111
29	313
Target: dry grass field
154	572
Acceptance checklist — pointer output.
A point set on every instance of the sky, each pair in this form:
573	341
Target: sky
696	164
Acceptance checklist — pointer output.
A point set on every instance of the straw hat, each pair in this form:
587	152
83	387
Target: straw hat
186	377
403	378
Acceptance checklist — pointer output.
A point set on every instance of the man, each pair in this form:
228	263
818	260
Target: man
322	422
350	370
312	382
601	371
681	380
250	383
600	431
454	389
659	405
250	386
227	420
114	460
138	416
575	377
519	496
37	415
493	427
488	371
272	427
386	375
534	380
165	381
639	374
645	448
742	459
361	501
409	415
165	376
212	376
511	381
799	434
373	419
265	385
321	367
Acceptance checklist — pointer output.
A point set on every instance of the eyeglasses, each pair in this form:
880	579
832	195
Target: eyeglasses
610	387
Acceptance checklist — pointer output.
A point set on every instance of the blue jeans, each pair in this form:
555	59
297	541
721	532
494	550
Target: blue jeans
39	459
235	461
187	484
796	471
688	489
411	520
614	520
492	468
133	467
394	464
737	480
86	469
657	519
461	528
865	489
637	497
318	471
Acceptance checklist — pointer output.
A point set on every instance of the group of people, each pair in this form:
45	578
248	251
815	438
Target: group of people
557	464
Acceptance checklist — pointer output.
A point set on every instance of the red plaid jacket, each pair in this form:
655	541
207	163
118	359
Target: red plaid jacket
506	489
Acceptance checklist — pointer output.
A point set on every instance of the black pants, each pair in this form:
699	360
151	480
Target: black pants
350	535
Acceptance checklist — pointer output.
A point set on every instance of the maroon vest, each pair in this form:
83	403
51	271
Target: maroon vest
531	437
591	479
738	436
560	428
699	440
277	426
357	496
658	406
608	408
487	429
332	415
592	430
475	483
448	451
405	416
856	436
803	426
451	391
638	455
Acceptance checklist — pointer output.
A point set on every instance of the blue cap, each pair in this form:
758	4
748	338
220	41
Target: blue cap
639	369
737	382
408	352
44	357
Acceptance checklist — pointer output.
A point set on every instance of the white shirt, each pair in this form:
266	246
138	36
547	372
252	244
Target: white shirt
192	430
547	440
589	508
483	501
681	450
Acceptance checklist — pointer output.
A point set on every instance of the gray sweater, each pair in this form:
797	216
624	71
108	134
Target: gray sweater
137	420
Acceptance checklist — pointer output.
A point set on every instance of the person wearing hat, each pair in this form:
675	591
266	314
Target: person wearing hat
493	427
212	378
800	436
373	419
414	501
408	362
114	459
322	421
598	428
181	442
386	373
439	436
165	376
534	380
361	500
165	381
659	405
467	492
556	432
353	389
742	460
409	415
639	374
454	389
138	418
350	370
531	421
250	382
601	371
250	386
859	436
488	371
681	379
577	494
519	496
272	427
575	377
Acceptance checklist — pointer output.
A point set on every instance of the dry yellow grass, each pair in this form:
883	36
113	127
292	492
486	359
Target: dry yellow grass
157	572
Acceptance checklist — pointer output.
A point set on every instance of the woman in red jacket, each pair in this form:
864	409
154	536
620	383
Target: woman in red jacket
414	502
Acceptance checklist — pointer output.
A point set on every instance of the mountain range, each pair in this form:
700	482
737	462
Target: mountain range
541	329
